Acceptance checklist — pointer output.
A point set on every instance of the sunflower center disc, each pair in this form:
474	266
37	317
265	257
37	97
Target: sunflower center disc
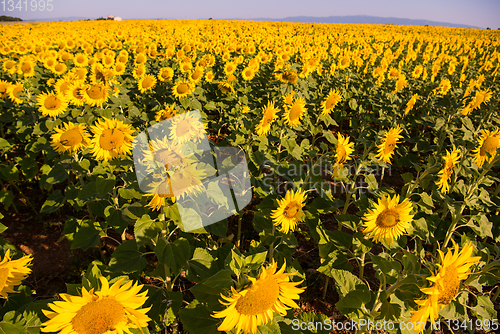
490	145
330	103
95	93
182	88
148	82
387	219
390	145
259	298
295	112
51	103
451	283
71	138
111	139
98	317
182	128
291	210
4	274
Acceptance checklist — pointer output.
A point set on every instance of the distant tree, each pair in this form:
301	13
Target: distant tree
5	18
101	18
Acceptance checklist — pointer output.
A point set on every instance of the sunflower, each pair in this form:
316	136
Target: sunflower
4	89
417	71
61	86
196	75
27	68
81	60
52	104
12	272
162	190
9	66
294	113
289	77
454	268
59	68
226	87
119	68
98	74
344	62
288	99
289	212
70	138
411	103
229	68
487	144
450	161
114	309
481	97
344	149
333	98
79	73
166	113
389	219
75	93
112	139
443	87
140	59
182	89
16	92
166	74
389	144
186	128
209	77
146	83
247	74
95	94
400	84
268	115
255	305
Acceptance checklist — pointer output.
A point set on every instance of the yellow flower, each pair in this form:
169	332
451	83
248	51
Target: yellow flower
75	93
247	73
146	83
81	60
443	88
389	219
12	272
166	74
454	268
487	144
112	139
166	113
344	149
114	309
95	94
182	89
481	97
16	92
229	68
288	99
294	113
289	77
388	144
51	104
345	62
289	212
450	161
333	98
185	128
401	83
417	71
268	115
69	138
411	103
255	305
27	68
4	89
225	87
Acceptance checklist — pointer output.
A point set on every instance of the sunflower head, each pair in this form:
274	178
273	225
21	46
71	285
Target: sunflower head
389	144
52	104
70	138
389	219
112	139
12	272
256	304
268	115
295	112
487	147
289	212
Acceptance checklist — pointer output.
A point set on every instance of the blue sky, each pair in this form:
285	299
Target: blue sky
480	13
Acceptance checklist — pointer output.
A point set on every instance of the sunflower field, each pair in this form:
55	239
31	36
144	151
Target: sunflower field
372	154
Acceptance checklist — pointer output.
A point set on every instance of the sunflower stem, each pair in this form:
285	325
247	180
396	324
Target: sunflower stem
495	296
25	198
271	247
362	266
168	279
238	239
325	287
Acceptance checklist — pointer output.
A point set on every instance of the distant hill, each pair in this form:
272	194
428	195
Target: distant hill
364	19
355	19
4	18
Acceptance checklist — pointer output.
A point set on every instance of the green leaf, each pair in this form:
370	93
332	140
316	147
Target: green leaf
384	264
9	172
372	182
485	310
345	281
173	254
146	230
353	104
209	290
201	265
484	227
196	319
127	258
6	197
86	236
306	323
55	201
56	175
7	328
105	186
